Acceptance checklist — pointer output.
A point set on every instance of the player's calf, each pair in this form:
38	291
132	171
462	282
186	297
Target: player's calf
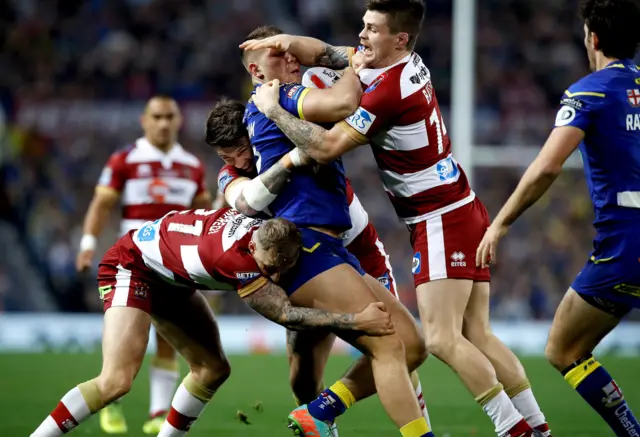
163	377
577	328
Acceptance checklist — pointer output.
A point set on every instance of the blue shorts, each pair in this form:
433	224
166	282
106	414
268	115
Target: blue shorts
320	252
612	274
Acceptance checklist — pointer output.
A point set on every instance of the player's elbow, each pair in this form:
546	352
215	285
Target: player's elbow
328	150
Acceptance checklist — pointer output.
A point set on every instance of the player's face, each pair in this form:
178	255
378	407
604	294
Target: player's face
591	51
280	65
161	122
263	259
240	156
380	44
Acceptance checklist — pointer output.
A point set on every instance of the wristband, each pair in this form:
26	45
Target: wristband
294	155
88	242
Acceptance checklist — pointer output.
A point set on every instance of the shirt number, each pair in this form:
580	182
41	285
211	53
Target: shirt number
440	128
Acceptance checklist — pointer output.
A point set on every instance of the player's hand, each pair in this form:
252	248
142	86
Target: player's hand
84	260
374	320
358	61
279	42
486	253
267	96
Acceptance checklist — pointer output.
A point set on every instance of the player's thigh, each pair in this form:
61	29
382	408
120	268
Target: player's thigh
163	349
577	328
188	323
407	327
342	289
124	342
476	326
442	305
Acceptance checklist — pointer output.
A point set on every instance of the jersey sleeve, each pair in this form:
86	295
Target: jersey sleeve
228	174
114	174
291	97
241	271
379	102
579	104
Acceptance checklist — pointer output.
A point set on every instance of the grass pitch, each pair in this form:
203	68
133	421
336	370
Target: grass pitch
31	385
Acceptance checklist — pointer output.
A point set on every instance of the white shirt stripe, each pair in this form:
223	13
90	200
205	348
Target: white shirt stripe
435	249
444	172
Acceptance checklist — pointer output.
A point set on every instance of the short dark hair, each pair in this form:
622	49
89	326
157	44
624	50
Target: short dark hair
282	239
261	32
224	125
402	16
614	21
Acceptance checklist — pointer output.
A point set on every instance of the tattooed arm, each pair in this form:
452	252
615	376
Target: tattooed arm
250	196
272	302
320	144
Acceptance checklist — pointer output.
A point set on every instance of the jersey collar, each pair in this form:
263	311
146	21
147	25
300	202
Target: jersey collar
368	75
166	158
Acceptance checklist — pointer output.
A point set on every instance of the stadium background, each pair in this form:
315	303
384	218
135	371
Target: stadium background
74	75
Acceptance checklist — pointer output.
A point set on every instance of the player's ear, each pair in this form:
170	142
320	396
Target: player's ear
255	71
402	39
595	41
252	247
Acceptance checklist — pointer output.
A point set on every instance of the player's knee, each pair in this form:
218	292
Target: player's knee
389	347
441	342
416	350
211	374
558	357
114	385
478	334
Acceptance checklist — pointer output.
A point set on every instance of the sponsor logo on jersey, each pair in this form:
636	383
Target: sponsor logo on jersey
574	103
634	97
421	75
294	91
447	169
147	232
245	277
416	263
376	82
251	129
384	280
565	115
105	176
221	222
223	180
361	120
457	259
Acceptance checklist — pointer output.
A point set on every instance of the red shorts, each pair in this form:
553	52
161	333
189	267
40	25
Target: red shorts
369	250
445	246
125	281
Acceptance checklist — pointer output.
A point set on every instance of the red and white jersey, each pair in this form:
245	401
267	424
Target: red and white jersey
203	249
400	117
151	182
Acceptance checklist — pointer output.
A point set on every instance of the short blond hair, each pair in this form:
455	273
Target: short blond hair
281	239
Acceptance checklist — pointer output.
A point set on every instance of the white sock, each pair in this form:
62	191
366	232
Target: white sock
185	409
423	404
526	404
502	413
162	383
71	410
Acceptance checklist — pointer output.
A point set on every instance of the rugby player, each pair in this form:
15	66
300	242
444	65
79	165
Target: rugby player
151	177
599	116
226	133
153	273
399	116
326	269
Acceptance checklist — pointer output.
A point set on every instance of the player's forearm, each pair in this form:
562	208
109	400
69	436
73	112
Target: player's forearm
534	183
308	137
96	218
257	194
272	303
347	92
314	52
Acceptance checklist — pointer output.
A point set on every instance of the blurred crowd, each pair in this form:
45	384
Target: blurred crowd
74	75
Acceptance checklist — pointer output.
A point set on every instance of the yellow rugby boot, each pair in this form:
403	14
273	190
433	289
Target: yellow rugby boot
112	419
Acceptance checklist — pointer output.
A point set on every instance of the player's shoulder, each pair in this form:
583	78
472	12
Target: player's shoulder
226	175
592	87
184	157
123	152
399	81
